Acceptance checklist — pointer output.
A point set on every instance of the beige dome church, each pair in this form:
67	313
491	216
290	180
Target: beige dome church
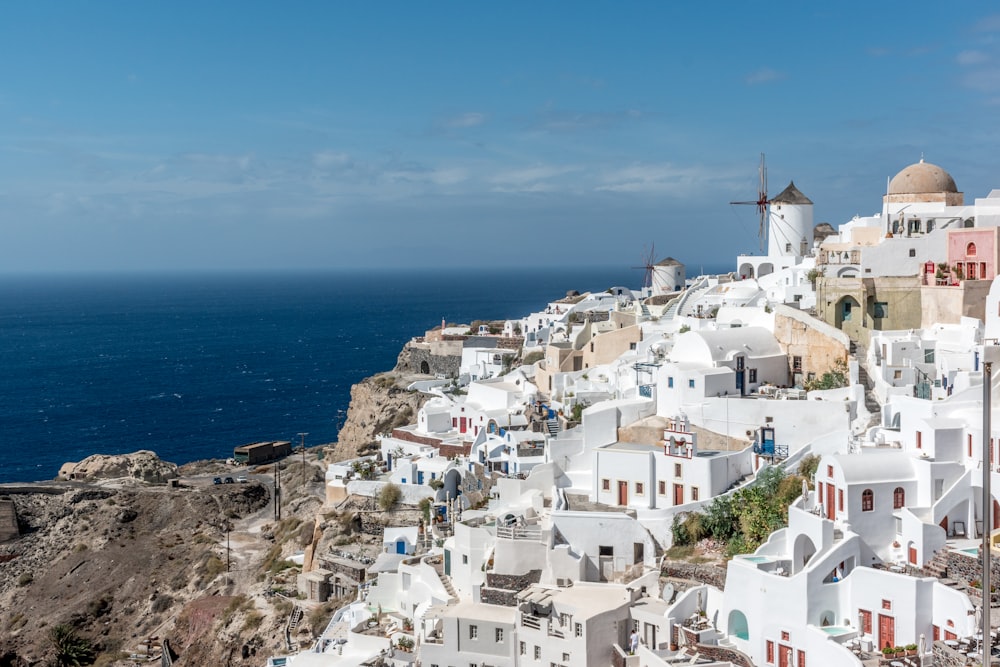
923	182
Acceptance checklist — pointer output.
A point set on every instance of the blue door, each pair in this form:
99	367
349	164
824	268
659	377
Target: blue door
400	547
420	477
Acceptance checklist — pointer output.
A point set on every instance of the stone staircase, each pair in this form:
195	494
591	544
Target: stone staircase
448	586
553	426
938	567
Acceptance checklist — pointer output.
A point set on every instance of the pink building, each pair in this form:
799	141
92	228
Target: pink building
974	251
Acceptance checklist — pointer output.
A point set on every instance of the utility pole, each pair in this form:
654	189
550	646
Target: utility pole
228	528
302	437
277	490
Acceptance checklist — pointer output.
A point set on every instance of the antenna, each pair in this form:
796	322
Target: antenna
761	203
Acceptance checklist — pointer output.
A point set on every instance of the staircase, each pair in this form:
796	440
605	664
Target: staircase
938	567
448	586
293	622
687	305
553	426
871	402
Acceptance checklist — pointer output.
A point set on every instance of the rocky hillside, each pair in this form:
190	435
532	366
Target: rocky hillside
378	405
114	564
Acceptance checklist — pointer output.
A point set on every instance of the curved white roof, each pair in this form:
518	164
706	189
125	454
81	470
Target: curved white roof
876	467
709	347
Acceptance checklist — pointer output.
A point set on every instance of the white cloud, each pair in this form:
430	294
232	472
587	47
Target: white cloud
665	178
470	119
764	75
972	57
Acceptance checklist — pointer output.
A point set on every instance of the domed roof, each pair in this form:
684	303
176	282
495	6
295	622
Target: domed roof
922	177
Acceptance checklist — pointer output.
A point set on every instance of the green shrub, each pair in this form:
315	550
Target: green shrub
71	650
389	496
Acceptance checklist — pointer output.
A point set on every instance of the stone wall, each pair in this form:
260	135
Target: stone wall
437	358
967	569
8	520
502	589
712	575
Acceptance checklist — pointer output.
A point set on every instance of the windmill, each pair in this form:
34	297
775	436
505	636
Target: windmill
649	267
761	203
656	280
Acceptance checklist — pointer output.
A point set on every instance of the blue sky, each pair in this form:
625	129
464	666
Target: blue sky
244	135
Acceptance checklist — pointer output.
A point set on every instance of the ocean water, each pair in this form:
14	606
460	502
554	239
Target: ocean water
192	366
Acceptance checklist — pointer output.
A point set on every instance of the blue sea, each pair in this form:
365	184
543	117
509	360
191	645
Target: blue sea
191	366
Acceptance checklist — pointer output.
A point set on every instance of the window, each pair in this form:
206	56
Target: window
796	364
473	632
840	499
465	559
564	620
605	551
631	346
913	252
691	384
498	635
694	493
578	630
929	356
867	500
897	375
845	311
605	485
970	250
565	657
538	653
770	652
920	440
753	375
521	648
881	309
785	636
662	488
639	488
670	383
801	662
898	498
788	247
829	472
887	605
677	470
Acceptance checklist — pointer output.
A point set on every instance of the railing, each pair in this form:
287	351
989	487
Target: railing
532	622
533	533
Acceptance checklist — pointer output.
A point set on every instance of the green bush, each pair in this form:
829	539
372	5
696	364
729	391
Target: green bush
71	650
808	466
389	496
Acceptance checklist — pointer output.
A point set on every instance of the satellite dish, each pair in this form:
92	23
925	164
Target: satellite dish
668	593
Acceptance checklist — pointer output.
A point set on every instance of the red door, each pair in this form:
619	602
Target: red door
623	493
831	495
678	494
866	621
801	662
886	631
913	555
784	656
462	425
996	515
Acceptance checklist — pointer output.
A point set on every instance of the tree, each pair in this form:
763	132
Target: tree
834	378
71	649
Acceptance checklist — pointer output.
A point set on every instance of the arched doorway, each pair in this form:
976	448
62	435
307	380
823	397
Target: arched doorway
847	309
425	368
765	269
746	271
738	624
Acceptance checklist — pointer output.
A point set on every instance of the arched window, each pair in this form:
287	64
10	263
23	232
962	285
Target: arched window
867	500
898	498
970	250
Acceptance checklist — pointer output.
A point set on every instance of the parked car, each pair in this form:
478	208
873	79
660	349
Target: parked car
242	479
216	480
228	480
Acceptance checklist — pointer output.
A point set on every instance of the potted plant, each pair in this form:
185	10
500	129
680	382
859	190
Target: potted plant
889	652
911	649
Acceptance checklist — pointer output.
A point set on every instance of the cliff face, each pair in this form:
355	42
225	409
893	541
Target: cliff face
378	405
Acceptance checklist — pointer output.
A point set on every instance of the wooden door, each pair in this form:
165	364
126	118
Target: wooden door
784	656
623	493
462	425
831	496
866	621
886	631
913	555
678	494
